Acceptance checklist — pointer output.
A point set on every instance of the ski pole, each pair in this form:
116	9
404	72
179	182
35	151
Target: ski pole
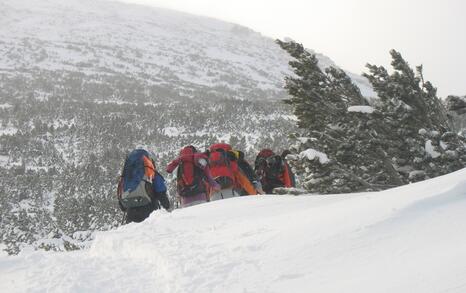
123	221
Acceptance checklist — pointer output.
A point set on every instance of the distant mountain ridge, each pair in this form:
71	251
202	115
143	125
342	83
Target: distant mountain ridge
160	47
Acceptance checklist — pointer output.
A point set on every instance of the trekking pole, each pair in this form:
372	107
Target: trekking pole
123	221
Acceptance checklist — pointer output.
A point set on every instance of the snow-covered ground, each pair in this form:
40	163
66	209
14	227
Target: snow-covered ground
8	130
408	239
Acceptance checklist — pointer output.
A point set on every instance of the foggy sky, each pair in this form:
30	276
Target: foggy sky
355	32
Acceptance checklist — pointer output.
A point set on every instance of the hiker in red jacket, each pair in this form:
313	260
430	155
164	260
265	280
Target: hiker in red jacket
194	180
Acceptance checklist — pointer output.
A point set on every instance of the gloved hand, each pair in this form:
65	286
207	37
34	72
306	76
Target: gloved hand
258	187
162	198
173	164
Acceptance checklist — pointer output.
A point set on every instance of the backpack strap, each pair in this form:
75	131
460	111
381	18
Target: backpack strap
120	179
149	169
187	166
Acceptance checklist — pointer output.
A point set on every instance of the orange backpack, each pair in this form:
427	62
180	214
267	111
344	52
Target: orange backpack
222	164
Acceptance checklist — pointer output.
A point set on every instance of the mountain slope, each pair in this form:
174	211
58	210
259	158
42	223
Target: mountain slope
407	239
160	47
84	82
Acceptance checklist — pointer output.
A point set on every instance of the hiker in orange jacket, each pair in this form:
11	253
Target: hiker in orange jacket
253	185
224	167
243	186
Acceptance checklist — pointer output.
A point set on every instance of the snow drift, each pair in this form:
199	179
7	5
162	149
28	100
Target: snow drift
407	239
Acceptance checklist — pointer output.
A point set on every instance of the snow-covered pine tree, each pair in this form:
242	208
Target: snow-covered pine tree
456	106
340	147
349	145
417	131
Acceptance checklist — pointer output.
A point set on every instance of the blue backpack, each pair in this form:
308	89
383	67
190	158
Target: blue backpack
135	186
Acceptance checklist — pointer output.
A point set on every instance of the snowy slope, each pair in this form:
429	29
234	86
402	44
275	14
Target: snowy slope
161	47
408	239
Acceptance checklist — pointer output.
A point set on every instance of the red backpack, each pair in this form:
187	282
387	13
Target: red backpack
190	178
272	170
222	164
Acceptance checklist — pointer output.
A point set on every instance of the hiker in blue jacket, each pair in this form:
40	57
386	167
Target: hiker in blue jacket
152	185
159	199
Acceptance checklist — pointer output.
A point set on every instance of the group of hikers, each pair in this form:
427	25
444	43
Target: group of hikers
220	172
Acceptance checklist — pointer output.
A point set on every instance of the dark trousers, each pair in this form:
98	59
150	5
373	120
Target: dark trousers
138	214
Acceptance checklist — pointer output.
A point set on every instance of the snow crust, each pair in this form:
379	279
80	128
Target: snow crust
407	239
172	131
9	130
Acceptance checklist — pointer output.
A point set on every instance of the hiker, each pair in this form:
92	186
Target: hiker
141	189
273	170
288	168
223	166
248	171
194	179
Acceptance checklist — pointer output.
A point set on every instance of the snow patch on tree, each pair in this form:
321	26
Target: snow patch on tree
430	150
312	154
5	106
361	109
